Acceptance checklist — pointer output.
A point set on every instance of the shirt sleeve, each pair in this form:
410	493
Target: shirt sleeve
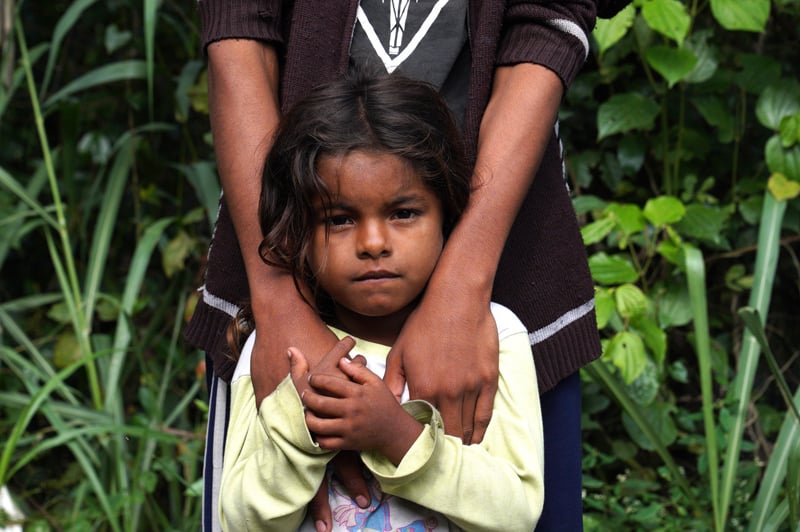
495	485
551	34
240	19
272	467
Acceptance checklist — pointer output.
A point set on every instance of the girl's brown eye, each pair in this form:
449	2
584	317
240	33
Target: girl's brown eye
338	220
405	214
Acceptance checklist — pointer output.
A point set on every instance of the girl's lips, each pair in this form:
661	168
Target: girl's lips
376	274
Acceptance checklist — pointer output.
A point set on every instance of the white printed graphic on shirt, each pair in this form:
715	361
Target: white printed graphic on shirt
394	53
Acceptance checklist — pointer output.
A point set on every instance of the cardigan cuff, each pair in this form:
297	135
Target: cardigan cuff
240	19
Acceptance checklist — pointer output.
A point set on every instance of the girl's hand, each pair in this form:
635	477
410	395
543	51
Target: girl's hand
301	373
346	466
359	414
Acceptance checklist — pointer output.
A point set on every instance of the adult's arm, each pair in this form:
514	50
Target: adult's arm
542	48
243	87
497	485
463	353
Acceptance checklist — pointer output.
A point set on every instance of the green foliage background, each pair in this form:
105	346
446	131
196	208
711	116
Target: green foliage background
682	137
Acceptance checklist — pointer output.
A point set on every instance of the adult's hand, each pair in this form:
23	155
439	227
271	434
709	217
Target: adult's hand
447	352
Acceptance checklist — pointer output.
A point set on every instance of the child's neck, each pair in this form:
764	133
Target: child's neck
382	330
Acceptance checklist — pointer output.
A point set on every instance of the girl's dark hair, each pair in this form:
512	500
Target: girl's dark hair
387	114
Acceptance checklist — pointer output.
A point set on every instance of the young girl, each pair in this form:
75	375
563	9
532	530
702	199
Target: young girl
364	181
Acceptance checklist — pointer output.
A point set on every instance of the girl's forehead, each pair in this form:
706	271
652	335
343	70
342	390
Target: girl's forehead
366	178
367	168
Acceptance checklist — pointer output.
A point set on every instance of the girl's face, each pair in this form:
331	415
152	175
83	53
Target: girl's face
384	237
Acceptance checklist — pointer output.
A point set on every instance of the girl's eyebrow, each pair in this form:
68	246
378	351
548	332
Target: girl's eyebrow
409	198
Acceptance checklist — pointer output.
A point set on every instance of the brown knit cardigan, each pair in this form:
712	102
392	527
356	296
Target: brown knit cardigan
543	274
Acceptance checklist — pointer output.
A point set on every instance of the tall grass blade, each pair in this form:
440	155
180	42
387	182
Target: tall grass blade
42	365
776	520
133	283
122	339
203	177
30	410
105	429
14	186
755	325
106	223
71	15
793	484
696	278
85	455
150	19
10	232
119	71
76	314
775	473
67	274
7	93
76	413
764	276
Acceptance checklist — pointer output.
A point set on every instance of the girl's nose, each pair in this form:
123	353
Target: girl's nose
373	240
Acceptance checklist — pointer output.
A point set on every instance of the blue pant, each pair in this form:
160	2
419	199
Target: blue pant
561	417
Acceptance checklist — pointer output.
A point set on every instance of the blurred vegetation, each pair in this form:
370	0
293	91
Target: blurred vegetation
683	151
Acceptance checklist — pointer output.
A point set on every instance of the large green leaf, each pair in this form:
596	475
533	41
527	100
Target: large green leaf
630	300
664	210
746	15
714	110
705	222
611	269
607	32
668	17
674	64
629	217
790	130
758	72
626	352
674	307
782	188
596	231
782	160
659	416
654	337
777	102
625	112
707	62
603	305
644	388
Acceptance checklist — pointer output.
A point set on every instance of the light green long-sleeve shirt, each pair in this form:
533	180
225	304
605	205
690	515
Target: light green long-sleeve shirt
272	467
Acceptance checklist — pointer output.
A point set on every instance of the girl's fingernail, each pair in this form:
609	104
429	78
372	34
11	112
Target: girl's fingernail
362	501
320	526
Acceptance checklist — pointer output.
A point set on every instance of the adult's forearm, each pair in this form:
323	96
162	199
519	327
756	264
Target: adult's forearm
243	88
516	127
243	101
